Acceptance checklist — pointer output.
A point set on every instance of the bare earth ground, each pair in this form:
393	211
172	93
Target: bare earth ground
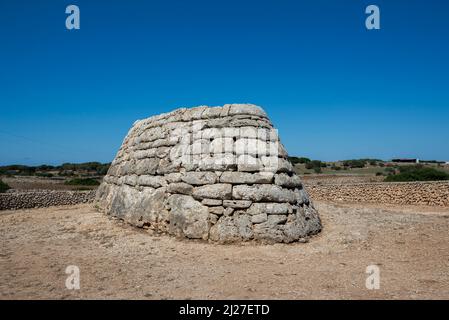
410	245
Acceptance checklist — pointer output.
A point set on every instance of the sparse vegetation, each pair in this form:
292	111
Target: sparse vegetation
354	163
317	169
361	163
417	173
315	164
3	187
66	169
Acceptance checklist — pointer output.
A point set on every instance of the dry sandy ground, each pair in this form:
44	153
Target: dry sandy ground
410	245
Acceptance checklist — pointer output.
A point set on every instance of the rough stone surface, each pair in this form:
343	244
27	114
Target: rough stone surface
15	200
213	173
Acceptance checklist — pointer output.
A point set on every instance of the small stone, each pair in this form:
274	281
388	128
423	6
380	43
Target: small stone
216	210
237	204
199	178
213	218
212	202
180	188
228	211
213	191
259	218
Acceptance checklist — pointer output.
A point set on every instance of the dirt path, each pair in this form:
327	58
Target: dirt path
410	245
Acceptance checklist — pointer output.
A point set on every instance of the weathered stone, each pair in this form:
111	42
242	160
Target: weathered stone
259	218
228	211
243	223
131	180
284	180
180	188
188	217
199	178
221	145
216	210
224	231
250	109
173	177
213	218
213	112
236	177
217	162
151	181
301	197
270	208
263	192
213	191
212	202
248	163
237	204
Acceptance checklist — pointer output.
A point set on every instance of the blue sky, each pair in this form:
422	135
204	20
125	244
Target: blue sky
333	89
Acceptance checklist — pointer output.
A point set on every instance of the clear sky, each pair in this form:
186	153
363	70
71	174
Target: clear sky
333	89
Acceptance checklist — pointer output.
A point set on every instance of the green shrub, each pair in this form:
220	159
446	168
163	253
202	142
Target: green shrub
354	163
317	169
296	160
315	164
3	187
82	182
417	173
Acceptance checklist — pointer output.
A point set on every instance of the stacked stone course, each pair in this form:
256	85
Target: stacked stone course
15	200
213	173
400	193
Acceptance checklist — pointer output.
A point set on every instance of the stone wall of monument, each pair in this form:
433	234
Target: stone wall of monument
212	173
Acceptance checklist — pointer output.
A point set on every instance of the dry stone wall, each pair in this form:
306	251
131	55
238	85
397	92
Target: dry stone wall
43	198
402	193
213	173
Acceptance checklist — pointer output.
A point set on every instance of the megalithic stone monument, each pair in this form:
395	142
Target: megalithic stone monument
213	173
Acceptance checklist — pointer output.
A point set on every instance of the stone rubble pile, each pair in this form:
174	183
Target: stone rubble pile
213	173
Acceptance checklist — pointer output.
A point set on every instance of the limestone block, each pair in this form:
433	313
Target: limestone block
213	191
284	180
270	208
263	192
236	177
199	178
188	217
151	181
212	202
237	204
180	188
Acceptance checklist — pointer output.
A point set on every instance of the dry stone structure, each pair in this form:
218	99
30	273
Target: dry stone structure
213	173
